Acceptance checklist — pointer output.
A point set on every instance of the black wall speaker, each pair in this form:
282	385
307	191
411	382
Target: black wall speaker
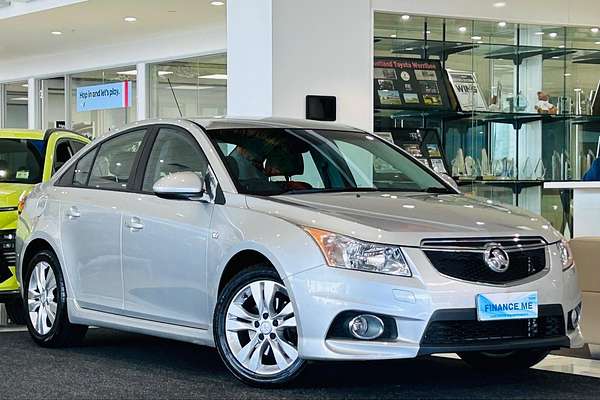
321	108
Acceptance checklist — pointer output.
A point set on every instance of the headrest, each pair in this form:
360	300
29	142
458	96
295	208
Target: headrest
282	163
121	163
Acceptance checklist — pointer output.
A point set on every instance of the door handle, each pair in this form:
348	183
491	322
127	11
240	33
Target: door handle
73	213
134	224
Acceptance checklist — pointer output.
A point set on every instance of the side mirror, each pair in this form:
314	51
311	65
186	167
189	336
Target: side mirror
180	185
450	181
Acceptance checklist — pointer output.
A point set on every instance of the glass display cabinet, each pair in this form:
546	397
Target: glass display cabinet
526	108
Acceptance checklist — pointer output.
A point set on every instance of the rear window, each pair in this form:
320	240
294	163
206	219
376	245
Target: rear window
21	161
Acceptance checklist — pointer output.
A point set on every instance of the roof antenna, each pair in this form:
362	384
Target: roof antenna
175	97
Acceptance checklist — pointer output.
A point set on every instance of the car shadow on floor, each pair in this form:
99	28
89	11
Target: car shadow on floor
130	365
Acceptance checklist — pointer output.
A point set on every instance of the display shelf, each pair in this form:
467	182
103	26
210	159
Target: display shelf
516	53
498	75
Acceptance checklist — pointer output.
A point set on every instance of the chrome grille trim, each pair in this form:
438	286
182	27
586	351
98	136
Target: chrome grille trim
479	244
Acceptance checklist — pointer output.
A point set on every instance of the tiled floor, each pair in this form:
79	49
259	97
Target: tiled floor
554	363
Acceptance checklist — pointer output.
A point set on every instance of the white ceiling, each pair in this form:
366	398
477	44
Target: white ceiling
97	23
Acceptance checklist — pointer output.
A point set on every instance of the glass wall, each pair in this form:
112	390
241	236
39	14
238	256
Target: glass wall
97	122
16	105
52	103
192	87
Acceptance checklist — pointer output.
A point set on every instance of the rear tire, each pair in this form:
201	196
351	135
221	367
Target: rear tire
258	339
45	297
507	361
16	312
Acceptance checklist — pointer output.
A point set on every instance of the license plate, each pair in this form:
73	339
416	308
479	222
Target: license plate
500	306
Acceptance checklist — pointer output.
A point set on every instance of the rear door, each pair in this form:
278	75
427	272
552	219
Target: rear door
96	188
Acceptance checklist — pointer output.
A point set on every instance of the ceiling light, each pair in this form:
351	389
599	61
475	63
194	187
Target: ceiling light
130	72
540	33
163	73
56	33
462	29
20	99
213	76
500	4
428	32
480	41
556	57
476	37
130	19
562	46
567	74
595	30
501	24
553	34
597	43
405	17
410	48
217	3
393	35
25	85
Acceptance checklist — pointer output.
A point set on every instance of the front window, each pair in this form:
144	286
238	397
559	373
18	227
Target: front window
294	161
21	161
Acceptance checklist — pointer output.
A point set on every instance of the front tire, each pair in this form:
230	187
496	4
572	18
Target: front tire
255	329
507	361
46	303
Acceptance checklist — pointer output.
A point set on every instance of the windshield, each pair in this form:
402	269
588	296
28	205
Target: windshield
290	161
21	161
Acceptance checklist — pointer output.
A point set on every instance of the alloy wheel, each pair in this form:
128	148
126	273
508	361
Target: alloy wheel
42	298
261	328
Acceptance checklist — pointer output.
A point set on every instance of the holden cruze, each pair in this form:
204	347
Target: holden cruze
280	242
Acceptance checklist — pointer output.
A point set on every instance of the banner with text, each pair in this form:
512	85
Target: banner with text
104	97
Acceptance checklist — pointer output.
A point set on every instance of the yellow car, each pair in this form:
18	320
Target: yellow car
27	157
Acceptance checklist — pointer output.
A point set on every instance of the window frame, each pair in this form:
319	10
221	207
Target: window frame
66	180
141	172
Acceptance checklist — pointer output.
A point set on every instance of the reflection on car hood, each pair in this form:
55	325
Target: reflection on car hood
404	218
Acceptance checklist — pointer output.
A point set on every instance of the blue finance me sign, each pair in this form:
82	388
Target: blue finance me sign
104	97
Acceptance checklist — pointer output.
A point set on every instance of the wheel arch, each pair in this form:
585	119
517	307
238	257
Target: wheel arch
240	261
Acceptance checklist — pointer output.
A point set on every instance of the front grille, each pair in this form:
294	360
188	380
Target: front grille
461	328
465	259
8	256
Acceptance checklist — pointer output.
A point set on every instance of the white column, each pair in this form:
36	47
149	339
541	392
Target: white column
279	51
34	117
3	101
142	91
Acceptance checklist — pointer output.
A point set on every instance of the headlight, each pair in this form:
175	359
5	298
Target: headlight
566	256
345	252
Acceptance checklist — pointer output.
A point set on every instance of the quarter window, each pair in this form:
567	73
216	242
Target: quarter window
82	169
113	165
174	151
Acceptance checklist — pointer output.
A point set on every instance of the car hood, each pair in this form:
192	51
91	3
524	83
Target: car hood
9	199
405	219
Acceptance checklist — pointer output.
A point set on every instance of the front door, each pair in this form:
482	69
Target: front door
91	215
165	241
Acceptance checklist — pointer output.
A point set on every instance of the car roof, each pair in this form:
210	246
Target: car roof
281	123
30	134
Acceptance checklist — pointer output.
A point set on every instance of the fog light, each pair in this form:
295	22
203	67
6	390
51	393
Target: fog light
366	327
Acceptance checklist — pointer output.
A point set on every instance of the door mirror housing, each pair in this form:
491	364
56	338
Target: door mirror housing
180	185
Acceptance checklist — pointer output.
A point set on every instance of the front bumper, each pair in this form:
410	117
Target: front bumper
322	293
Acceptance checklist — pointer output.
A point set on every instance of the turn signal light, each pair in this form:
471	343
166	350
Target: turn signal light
22	200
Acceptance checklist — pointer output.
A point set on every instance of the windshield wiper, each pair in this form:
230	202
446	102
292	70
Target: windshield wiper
339	190
440	190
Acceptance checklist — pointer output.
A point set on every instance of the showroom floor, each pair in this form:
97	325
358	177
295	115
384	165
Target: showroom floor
120	365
